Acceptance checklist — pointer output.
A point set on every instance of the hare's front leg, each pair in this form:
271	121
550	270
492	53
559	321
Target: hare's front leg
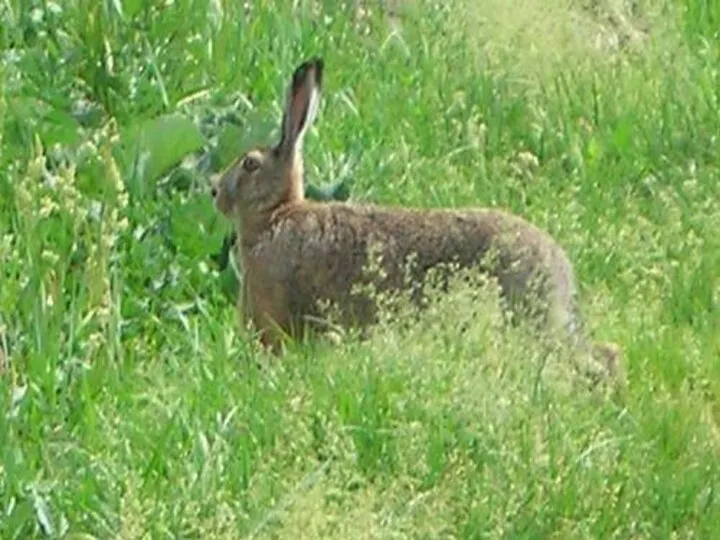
249	321
267	308
242	305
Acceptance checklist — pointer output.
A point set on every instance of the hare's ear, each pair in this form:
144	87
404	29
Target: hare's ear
303	98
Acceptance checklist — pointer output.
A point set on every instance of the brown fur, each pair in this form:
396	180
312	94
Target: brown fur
295	253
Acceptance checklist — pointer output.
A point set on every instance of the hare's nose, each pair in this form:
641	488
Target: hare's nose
214	183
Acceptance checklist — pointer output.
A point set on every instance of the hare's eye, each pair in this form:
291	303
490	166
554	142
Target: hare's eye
250	164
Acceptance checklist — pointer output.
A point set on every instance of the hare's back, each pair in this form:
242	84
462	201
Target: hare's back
526	260
443	235
323	252
332	241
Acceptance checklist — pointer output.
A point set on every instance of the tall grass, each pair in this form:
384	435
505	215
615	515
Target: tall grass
132	408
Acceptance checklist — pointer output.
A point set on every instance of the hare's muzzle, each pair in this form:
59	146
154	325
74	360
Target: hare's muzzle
214	185
219	197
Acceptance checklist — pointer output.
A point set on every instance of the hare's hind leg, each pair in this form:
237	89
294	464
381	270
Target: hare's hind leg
610	356
565	325
599	361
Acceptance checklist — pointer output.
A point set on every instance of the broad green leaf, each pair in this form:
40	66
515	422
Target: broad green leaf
160	143
234	139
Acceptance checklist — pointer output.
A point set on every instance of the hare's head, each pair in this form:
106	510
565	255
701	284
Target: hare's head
264	178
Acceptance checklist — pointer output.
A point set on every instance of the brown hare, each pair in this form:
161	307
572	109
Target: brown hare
295	253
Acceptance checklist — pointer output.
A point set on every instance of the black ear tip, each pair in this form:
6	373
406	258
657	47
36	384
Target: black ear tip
316	64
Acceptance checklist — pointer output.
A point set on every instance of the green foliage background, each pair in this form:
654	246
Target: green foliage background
129	405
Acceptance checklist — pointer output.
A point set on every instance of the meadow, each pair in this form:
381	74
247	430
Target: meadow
131	406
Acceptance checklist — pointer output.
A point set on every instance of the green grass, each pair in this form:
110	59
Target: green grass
130	406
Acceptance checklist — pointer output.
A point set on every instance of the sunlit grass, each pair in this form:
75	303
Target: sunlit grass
132	407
